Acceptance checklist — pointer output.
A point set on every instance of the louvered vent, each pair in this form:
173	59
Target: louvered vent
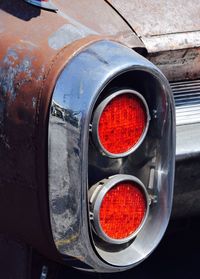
187	100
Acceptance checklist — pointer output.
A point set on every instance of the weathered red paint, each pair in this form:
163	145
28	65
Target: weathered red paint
29	68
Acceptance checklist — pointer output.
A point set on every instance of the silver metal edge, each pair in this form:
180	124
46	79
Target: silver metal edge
99	195
96	118
48	5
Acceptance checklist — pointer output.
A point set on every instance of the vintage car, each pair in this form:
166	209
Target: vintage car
88	130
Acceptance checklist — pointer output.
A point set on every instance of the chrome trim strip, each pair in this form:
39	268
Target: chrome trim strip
188	143
45	5
98	113
187	100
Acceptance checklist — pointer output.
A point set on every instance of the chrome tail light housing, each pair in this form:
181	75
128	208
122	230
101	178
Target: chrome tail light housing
80	168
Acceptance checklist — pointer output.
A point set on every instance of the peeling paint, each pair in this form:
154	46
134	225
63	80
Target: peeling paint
34	102
77	24
1	28
41	73
4	139
169	42
67	34
29	44
10	68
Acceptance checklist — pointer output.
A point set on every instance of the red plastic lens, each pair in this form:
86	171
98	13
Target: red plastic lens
122	210
122	123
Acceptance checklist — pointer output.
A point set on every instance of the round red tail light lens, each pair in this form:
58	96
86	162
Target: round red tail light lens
120	209
120	123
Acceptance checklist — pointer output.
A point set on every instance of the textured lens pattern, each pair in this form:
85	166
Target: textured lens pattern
122	123
122	210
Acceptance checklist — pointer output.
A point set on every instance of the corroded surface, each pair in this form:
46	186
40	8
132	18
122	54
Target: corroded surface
35	45
29	68
178	64
152	18
170	31
98	17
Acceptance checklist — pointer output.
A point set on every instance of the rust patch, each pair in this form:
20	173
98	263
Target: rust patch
66	35
178	64
29	69
14	72
172	41
152	18
99	17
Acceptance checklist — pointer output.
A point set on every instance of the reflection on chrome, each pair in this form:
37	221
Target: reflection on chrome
65	114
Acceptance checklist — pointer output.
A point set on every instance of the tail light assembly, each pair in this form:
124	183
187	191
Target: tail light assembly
111	150
87	140
87	154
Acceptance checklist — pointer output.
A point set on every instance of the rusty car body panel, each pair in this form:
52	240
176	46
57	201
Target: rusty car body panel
170	32
28	71
151	18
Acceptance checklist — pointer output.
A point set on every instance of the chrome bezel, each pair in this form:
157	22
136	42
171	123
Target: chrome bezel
76	92
97	198
96	119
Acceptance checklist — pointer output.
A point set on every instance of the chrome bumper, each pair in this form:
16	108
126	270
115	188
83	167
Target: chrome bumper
187	176
187	100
